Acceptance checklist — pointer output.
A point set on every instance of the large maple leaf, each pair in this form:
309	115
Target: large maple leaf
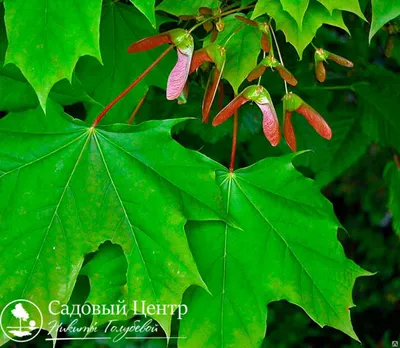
38	45
69	187
285	248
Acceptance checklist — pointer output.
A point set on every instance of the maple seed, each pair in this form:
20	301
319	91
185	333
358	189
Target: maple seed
272	63
183	42
292	102
320	56
217	55
261	97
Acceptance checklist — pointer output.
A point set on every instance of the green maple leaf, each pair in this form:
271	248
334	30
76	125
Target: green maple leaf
315	16
68	187
121	25
392	178
107	270
48	42
185	7
343	5
286	248
242	50
296	9
383	11
147	7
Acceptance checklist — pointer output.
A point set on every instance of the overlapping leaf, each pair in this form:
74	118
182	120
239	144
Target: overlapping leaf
242	49
296	9
147	7
315	16
46	39
343	5
382	12
67	188
286	248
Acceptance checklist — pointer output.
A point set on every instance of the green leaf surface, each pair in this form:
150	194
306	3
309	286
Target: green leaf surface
274	255
296	8
380	112
119	29
107	270
316	15
242	50
392	178
147	7
382	12
46	39
185	7
343	5
68	189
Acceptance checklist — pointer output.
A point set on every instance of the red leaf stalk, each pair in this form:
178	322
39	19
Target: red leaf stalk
132	85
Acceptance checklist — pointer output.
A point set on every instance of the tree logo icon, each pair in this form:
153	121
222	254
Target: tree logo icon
19	318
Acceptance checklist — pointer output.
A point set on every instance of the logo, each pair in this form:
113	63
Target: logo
19	318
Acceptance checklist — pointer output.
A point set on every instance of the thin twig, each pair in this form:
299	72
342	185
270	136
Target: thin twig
133	84
280	56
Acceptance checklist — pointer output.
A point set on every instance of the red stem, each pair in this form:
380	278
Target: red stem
234	141
133	84
134	113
